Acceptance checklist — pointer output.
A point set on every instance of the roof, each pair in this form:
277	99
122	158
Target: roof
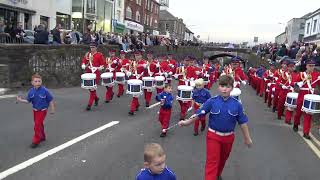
189	31
166	15
314	13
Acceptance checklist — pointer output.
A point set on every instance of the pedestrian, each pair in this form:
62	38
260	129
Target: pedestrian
199	96
225	112
154	163
41	98
166	100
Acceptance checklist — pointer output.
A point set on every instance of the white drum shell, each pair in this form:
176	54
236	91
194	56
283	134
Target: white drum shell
148	79
108	76
184	93
159	79
291	100
88	81
134	87
311	104
120	75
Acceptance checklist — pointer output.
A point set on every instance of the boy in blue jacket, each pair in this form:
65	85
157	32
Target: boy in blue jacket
166	100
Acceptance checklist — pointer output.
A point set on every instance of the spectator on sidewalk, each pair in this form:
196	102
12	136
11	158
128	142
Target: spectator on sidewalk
56	35
41	36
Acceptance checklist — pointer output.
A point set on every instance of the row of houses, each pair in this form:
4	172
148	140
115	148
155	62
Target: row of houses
120	16
304	29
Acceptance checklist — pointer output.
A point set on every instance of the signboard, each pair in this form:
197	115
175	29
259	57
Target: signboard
255	39
133	26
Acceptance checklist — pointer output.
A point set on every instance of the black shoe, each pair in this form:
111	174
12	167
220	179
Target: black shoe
106	101
33	145
147	105
118	96
137	108
43	139
96	102
163	134
203	128
181	119
131	113
274	109
88	108
295	128
219	178
196	134
307	136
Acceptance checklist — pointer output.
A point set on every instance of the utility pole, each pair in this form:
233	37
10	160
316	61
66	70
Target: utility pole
83	23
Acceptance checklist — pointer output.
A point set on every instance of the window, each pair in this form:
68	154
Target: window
308	28
118	16
315	25
151	7
119	3
302	25
145	19
129	13
148	19
167	27
139	2
146	4
91	6
151	21
138	16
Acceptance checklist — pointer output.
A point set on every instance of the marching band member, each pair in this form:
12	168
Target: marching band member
208	71
165	68
149	71
278	74
236	72
172	66
93	62
181	72
286	85
200	96
307	82
112	63
268	77
123	66
259	79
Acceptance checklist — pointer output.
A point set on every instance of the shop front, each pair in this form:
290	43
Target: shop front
118	27
133	27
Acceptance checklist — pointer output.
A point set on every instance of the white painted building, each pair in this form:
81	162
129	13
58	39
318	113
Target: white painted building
188	36
295	30
281	38
312	28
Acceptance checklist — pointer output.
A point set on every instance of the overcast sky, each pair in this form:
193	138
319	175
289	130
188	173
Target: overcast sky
239	20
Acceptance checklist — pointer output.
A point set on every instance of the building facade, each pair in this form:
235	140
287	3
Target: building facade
171	25
151	16
295	30
312	28
281	38
188	35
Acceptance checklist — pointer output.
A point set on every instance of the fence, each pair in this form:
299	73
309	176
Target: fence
5	38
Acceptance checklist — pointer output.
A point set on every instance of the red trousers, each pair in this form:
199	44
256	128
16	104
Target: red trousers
201	119
184	108
265	91
258	86
120	90
93	96
282	99
276	97
39	135
269	95
159	90
109	93
307	121
298	114
218	151
164	117
147	96
262	87
288	116
134	104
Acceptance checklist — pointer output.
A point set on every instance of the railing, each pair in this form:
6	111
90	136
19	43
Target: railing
5	38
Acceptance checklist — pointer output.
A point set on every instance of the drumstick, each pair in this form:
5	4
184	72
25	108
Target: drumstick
165	130
154	105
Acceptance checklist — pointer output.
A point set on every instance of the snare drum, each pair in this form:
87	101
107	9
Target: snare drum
291	100
184	93
107	79
206	79
88	81
159	81
236	92
311	103
120	77
148	83
134	87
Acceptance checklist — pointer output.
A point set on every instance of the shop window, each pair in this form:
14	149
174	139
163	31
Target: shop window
119	3
128	13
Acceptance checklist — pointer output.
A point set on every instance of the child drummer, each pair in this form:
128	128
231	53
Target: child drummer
40	98
200	96
166	100
225	112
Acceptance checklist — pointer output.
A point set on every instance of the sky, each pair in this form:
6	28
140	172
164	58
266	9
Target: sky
238	21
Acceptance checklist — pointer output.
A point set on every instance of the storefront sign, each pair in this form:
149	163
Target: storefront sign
134	26
19	1
155	32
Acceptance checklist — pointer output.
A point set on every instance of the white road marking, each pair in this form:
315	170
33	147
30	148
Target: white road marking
50	152
8	96
311	145
314	139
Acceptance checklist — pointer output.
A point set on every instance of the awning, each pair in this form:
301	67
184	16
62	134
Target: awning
17	9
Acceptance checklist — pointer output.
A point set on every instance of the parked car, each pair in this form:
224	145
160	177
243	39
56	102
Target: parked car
28	36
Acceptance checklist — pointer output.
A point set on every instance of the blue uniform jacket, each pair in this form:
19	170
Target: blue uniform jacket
168	99
146	174
40	98
201	95
224	114
260	72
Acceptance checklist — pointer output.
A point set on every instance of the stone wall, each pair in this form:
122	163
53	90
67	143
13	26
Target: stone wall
58	65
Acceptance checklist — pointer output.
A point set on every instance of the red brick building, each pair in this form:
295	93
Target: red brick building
142	15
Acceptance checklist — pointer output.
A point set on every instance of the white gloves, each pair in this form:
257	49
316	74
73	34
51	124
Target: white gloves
101	67
128	73
276	78
83	66
166	74
170	73
284	87
192	79
318	77
115	61
244	83
300	84
171	65
144	65
197	72
158	65
203	112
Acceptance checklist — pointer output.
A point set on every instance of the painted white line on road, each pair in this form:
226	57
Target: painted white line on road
50	152
310	144
315	139
8	96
